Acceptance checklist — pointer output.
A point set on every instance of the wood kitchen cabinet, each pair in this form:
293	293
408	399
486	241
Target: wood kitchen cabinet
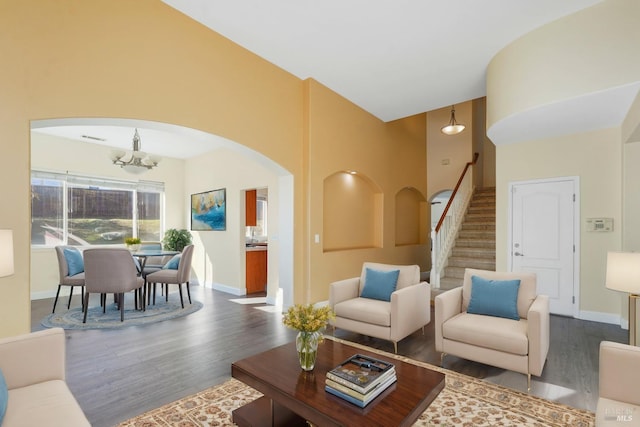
250	208
256	271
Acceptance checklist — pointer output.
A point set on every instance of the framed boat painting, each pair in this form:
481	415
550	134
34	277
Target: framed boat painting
209	210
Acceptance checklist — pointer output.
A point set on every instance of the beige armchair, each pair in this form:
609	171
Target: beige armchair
619	400
408	309
517	345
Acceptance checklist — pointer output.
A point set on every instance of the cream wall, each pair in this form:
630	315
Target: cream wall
51	153
557	64
219	256
583	53
596	158
457	149
631	199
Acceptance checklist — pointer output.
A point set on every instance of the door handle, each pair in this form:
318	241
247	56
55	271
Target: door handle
518	254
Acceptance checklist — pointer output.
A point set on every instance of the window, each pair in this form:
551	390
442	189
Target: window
80	210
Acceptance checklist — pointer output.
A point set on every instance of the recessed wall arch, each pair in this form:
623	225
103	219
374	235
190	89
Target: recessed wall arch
352	212
281	290
411	217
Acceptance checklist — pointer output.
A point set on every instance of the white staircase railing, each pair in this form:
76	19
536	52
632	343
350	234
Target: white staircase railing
444	234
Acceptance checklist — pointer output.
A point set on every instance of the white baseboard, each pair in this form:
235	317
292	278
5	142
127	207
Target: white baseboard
227	289
595	316
277	300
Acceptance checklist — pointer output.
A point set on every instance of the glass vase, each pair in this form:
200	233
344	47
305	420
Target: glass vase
307	346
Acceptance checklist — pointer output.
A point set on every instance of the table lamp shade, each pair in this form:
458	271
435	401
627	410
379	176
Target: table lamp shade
623	272
6	253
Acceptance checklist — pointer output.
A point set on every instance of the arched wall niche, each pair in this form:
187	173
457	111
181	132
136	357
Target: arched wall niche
352	212
411	217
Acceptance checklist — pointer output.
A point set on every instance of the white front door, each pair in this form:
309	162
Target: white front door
543	238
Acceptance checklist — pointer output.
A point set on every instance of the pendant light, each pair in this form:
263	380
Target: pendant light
453	127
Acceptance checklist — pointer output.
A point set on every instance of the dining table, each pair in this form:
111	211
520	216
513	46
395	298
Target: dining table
143	255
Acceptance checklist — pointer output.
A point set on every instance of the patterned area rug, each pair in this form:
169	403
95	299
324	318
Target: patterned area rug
465	401
72	319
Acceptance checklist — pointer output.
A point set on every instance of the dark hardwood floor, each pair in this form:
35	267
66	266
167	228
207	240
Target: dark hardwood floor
117	374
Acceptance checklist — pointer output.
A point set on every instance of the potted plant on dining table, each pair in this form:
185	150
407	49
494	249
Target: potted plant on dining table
309	321
133	243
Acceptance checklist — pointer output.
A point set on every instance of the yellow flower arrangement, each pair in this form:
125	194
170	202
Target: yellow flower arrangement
307	318
132	241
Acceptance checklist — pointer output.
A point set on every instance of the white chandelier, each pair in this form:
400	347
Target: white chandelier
134	161
453	127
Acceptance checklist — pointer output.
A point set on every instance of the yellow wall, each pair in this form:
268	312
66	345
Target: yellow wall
596	158
344	137
139	60
456	149
144	60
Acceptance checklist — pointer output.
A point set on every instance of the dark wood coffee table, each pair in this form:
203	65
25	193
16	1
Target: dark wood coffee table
292	396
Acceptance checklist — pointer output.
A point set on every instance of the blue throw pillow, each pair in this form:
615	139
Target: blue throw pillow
379	284
75	263
4	397
173	263
494	297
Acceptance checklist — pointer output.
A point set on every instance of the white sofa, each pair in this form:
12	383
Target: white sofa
408	310
619	377
517	345
33	366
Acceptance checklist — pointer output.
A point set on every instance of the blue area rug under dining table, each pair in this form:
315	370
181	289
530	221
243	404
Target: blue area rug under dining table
96	319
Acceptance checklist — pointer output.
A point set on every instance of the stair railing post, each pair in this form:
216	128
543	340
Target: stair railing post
434	276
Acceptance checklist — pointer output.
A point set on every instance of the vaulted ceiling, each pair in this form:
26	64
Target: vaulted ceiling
392	58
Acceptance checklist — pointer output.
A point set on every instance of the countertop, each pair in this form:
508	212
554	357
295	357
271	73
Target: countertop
256	247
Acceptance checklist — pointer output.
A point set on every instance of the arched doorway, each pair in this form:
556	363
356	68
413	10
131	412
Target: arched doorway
280	287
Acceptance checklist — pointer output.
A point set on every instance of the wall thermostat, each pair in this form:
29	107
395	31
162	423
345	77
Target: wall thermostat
599	224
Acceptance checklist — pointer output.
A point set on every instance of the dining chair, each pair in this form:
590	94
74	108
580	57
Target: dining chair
169	275
153	263
71	270
111	271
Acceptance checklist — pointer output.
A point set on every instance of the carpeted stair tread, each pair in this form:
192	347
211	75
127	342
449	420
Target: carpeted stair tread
476	243
463	252
477	234
479	226
479	263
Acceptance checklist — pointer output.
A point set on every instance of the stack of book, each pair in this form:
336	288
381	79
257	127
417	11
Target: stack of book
360	379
